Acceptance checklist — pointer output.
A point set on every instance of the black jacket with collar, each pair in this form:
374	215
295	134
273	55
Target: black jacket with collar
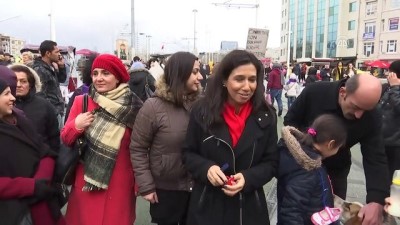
390	108
255	156
43	116
322	97
51	80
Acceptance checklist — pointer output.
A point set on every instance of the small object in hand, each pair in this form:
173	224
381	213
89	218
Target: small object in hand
230	181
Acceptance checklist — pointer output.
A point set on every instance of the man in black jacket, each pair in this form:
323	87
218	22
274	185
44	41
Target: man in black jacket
354	101
51	70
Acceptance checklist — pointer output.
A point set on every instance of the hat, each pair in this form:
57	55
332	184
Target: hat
113	65
3	85
9	77
293	76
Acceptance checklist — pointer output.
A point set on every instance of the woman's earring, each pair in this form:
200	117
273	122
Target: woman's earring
223	84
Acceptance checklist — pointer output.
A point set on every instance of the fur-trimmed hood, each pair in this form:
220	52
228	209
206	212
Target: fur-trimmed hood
163	92
290	136
38	83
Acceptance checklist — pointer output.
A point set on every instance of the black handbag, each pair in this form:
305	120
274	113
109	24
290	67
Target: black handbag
68	157
147	90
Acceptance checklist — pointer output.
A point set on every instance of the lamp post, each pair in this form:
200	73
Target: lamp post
194	31
148	46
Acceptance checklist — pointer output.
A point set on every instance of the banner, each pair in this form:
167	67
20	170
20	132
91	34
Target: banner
122	49
257	40
394	23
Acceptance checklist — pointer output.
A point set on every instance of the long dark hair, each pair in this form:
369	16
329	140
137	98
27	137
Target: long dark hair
211	106
177	71
327	127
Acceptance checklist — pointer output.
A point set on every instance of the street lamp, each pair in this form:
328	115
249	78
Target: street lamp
194	31
148	46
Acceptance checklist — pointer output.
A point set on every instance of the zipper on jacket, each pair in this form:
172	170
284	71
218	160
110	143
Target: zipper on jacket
252	154
203	193
241	208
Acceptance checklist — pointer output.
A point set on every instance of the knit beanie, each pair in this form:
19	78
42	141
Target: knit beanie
3	85
113	65
9	77
395	68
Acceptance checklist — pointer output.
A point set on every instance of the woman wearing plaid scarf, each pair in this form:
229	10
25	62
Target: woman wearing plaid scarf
103	192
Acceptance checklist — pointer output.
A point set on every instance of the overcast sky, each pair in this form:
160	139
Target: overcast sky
96	24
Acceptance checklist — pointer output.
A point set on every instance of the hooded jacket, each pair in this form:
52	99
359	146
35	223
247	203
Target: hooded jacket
51	80
303	184
157	141
41	113
137	82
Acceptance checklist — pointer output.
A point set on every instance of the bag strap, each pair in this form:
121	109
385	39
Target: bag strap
85	103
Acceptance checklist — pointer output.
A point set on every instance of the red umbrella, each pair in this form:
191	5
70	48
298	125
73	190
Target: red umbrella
379	64
85	52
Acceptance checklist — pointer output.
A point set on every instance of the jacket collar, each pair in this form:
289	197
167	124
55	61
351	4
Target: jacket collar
254	129
332	96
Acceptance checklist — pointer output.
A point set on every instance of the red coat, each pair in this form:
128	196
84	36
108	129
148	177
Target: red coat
116	205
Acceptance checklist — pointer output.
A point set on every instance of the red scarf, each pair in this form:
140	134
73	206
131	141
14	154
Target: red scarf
236	122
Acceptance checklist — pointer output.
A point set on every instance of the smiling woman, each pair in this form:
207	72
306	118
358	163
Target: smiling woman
6	100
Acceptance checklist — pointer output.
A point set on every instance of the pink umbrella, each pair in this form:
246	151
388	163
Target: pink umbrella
85	52
379	64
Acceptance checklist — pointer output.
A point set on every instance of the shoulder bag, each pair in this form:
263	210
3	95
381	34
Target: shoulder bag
68	157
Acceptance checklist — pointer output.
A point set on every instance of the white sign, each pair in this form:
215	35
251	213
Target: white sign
257	40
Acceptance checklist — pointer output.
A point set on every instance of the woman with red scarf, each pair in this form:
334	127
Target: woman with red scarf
231	146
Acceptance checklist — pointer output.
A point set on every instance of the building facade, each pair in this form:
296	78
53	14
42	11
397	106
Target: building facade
11	45
347	30
379	33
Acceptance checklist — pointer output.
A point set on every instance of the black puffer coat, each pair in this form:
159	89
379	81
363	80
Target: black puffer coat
300	192
390	108
137	82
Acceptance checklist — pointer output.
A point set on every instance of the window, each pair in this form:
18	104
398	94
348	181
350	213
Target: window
391	45
371	8
352	6
370	27
351	25
368	48
350	43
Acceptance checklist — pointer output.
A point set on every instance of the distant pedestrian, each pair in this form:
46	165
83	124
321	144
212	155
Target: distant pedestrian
292	89
304	190
275	86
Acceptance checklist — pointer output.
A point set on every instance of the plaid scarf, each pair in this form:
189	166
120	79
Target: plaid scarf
118	109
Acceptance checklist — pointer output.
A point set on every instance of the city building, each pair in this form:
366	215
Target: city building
379	31
11	45
355	31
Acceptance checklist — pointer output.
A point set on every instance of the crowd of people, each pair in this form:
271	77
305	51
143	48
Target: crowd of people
199	149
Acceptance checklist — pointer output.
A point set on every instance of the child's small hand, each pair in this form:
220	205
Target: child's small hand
387	201
236	187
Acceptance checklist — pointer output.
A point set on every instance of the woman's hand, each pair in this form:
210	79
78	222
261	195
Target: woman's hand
152	198
216	176
83	120
232	190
